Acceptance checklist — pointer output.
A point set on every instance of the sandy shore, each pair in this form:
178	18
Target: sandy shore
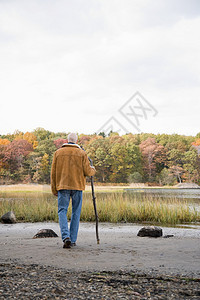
119	249
47	188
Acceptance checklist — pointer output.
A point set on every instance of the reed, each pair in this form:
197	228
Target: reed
112	207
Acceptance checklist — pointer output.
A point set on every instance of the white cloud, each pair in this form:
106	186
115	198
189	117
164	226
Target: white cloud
73	64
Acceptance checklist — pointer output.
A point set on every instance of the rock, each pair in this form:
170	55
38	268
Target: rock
45	233
151	231
168	236
9	218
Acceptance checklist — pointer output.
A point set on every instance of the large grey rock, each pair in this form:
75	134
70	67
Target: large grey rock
9	218
151	231
45	233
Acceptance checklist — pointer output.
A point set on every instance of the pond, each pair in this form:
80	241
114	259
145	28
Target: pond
186	194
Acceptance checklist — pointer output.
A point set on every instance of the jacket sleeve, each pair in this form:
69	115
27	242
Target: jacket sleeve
53	176
87	169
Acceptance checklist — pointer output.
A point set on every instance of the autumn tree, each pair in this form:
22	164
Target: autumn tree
83	139
14	155
18	135
197	142
59	142
31	138
177	171
4	142
148	157
154	157
3	166
45	169
196	145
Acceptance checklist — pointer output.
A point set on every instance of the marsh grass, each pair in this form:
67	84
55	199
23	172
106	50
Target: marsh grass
112	207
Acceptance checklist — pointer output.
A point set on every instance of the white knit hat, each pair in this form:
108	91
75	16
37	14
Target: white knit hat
72	137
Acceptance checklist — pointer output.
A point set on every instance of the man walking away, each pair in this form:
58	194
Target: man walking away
69	169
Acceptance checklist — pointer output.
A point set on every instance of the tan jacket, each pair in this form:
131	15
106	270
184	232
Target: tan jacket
69	169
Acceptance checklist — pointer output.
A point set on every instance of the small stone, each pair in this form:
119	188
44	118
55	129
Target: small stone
168	236
148	294
9	218
151	231
45	233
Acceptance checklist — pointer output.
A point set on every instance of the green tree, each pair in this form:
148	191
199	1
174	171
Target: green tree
43	134
175	163
126	159
165	177
119	166
98	149
135	177
191	165
46	146
45	169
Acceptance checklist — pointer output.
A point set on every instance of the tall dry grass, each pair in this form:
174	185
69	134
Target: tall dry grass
112	207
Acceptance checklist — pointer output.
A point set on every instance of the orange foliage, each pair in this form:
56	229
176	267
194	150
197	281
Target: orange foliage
35	144
31	138
4	142
196	143
18	135
28	136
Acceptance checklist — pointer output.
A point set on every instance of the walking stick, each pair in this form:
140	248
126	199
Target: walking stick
94	204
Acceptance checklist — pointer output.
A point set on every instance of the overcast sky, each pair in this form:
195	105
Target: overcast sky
72	65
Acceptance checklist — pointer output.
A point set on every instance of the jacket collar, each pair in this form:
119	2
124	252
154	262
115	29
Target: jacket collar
71	145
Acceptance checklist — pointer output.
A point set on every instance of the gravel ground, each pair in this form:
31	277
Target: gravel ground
20	281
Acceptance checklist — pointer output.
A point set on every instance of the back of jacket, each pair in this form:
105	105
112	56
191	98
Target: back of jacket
69	169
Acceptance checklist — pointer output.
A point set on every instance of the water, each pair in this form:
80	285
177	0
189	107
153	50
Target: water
186	194
191	196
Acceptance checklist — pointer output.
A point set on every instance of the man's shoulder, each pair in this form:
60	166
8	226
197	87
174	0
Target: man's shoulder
70	148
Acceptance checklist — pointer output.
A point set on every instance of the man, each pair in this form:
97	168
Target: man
70	167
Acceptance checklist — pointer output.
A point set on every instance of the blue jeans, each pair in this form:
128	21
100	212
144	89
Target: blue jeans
63	204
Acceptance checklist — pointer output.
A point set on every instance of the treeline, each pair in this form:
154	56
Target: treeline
157	159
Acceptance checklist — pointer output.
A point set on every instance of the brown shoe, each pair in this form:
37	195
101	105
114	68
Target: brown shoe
67	243
73	244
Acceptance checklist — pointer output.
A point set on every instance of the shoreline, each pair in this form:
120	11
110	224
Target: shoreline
122	266
46	188
120	248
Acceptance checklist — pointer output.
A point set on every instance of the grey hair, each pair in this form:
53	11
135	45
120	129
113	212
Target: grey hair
72	137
